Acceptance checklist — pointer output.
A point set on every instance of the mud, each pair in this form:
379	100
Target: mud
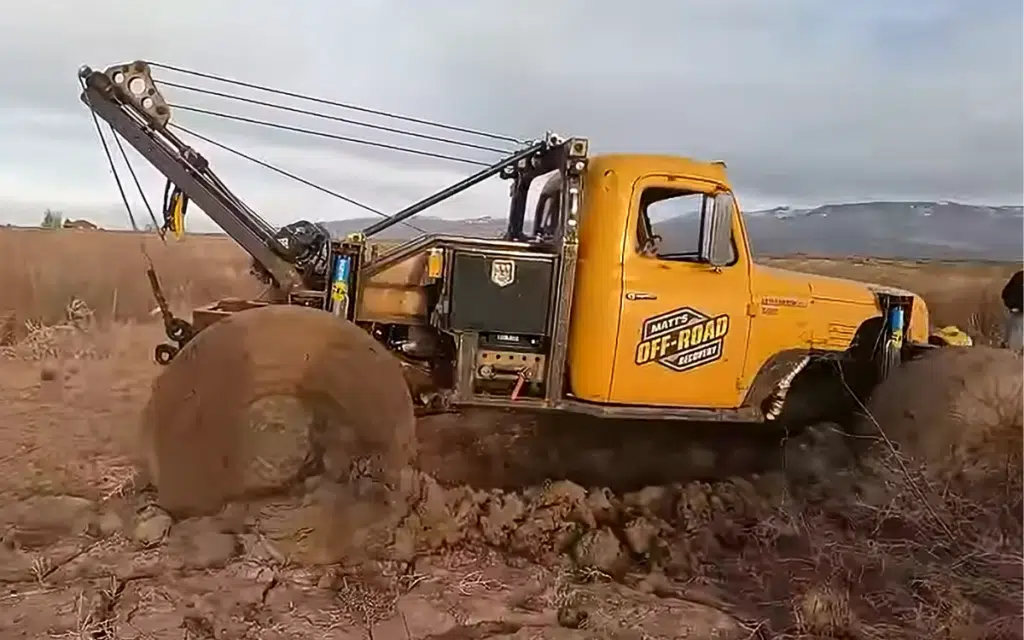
504	450
778	535
233	575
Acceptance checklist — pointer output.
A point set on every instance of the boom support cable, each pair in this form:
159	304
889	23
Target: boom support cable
331	136
333	103
334	118
287	174
138	185
170	322
110	162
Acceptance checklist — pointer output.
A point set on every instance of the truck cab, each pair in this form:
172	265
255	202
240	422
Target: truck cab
659	319
663	311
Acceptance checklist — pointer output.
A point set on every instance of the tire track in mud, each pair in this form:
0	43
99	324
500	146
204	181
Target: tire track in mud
505	450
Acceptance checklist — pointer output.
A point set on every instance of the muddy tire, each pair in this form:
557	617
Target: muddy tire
199	447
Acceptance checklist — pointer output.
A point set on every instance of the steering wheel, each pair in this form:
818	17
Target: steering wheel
650	246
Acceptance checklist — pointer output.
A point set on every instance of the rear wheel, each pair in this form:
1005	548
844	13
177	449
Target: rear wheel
201	447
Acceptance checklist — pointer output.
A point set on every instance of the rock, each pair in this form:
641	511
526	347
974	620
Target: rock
639	535
42	520
653	501
330	580
151	526
109	523
501	514
203	549
600	503
600	549
312	483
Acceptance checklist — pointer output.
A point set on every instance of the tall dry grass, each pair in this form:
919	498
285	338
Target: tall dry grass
42	270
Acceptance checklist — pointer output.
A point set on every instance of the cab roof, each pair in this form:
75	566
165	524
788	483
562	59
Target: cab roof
644	164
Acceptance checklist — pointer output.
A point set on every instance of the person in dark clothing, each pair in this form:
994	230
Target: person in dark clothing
1013	292
1013	298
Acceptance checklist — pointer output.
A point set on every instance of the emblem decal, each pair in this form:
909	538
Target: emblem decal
682	339
503	272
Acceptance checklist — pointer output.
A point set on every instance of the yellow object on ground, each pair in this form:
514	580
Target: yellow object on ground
951	336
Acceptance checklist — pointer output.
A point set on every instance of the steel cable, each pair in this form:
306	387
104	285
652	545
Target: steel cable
138	185
331	136
288	174
333	103
327	116
110	162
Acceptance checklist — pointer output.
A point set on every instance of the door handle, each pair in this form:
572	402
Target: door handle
639	295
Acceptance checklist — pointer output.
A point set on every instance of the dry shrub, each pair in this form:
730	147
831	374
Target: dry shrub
959	411
923	540
824	611
979	312
43	270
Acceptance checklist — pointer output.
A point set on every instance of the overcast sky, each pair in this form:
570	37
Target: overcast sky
809	101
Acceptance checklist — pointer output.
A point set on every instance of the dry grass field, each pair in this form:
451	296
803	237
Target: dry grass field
917	534
42	270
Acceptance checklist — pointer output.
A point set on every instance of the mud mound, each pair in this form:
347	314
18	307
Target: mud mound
201	448
958	411
673	530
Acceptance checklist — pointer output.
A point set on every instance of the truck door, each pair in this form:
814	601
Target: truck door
683	324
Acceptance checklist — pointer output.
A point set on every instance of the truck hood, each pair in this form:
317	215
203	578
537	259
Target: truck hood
829	288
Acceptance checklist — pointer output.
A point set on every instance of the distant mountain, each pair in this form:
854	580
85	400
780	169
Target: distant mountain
892	229
935	230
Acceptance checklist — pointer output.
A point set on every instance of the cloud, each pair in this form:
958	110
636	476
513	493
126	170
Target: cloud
808	101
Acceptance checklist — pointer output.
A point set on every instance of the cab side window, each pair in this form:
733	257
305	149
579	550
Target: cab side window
671	224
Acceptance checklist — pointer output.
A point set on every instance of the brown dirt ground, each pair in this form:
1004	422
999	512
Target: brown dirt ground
822	536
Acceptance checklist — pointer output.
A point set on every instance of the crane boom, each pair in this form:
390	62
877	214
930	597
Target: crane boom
296	255
145	130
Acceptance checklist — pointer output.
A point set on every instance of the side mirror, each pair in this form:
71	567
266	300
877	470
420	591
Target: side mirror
717	240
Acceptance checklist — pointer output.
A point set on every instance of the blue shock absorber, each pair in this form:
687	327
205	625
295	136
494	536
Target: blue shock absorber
339	285
896	325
